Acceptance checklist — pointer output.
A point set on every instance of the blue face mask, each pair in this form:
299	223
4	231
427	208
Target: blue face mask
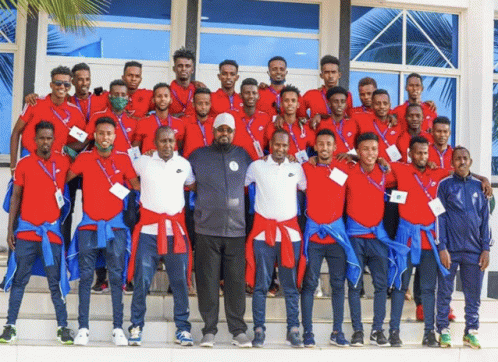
118	103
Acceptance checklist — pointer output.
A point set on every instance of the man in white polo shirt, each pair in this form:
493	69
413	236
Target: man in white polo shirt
161	234
275	235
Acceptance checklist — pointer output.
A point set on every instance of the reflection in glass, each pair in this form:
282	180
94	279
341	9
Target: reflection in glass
387	81
495	63
6	82
134	11
494	159
8	21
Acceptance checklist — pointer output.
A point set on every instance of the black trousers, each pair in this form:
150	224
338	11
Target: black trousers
211	253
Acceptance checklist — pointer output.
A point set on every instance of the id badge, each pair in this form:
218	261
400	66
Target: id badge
78	134
258	149
338	176
119	191
437	207
408	158
301	157
352	152
134	153
59	198
393	153
398	197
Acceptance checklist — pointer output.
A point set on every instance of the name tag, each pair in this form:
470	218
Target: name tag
59	198
398	197
352	152
301	157
78	134
408	158
338	176
134	153
437	207
393	153
119	191
258	149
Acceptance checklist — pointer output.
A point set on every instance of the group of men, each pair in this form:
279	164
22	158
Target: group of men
240	162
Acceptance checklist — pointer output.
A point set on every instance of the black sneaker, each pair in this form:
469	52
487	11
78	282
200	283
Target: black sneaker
357	339
430	339
128	288
65	335
9	334
394	339
259	339
101	286
377	338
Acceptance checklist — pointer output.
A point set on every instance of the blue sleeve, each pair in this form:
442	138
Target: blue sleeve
485	232
441	220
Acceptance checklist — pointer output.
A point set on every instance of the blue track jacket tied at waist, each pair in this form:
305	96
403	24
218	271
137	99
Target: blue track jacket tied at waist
48	257
464	227
397	252
104	234
407	231
337	231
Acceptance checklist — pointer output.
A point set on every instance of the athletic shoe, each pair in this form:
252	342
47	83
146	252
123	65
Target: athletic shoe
419	314
82	337
128	288
118	337
318	291
294	339
309	339
65	335
207	340
470	339
274	288
394	339
451	316
259	339
100	287
241	340
135	336
338	339
9	334
430	339
445	338
184	338
357	339
378	338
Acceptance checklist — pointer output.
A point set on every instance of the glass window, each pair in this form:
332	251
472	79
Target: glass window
495	68
134	11
117	43
6	83
387	81
260	15
256	50
494	159
8	22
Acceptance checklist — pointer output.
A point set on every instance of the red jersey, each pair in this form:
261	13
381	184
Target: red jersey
301	136
125	128
361	109
388	136
63	117
421	188
98	202
181	99
197	134
92	104
403	144
146	130
222	102
429	116
270	102
316	101
345	133
40	179
365	195
443	159
250	129
140	103
325	198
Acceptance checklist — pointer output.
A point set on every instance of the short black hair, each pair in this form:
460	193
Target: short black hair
105	120
160	85
278	57
202	90
132	63
459	148
61	70
367	81
335	90
80	66
413	105
116	82
414	75
161	129
248	81
229	62
418	139
279	131
380	91
325	132
329	59
367	136
184	53
289	88
43	125
441	120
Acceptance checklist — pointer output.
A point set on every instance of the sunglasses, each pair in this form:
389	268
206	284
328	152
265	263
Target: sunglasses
58	83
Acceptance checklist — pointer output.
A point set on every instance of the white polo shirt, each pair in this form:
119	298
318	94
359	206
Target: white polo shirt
276	191
161	185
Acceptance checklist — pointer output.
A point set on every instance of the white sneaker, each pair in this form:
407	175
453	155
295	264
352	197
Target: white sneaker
82	337
318	290
118	337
